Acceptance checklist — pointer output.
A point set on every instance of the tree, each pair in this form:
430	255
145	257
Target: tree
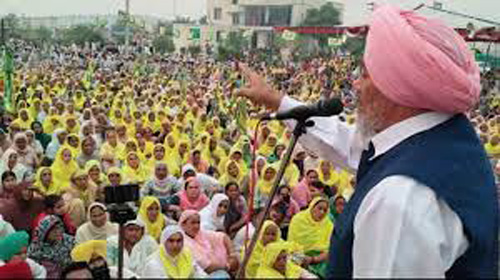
12	26
165	42
233	45
203	20
80	34
326	15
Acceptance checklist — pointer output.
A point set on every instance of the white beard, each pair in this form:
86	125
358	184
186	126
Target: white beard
365	128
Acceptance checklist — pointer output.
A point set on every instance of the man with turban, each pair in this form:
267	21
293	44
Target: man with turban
425	200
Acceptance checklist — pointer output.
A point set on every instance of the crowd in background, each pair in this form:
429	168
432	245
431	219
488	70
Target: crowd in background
86	119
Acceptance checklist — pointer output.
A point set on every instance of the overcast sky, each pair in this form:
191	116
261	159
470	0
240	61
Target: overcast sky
355	10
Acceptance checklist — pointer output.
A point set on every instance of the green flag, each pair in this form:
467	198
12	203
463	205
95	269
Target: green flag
8	69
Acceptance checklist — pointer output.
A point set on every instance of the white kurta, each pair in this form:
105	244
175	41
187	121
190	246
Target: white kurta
401	229
154	268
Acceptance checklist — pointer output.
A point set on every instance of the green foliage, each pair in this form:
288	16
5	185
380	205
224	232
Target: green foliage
119	28
326	15
233	45
80	34
194	50
164	44
355	46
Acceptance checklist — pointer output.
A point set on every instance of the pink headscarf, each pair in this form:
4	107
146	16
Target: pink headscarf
207	246
420	62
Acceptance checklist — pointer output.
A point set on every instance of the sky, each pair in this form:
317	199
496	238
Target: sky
162	8
355	11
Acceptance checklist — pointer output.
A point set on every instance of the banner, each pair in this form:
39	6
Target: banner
289	35
195	33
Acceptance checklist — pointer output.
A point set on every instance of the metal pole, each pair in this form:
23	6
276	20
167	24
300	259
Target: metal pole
120	251
300	129
127	19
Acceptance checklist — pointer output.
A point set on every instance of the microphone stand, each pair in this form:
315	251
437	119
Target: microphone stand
299	130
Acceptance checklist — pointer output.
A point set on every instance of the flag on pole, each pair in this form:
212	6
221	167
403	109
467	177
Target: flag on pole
8	69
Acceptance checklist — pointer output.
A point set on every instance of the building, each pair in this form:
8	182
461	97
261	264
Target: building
255	17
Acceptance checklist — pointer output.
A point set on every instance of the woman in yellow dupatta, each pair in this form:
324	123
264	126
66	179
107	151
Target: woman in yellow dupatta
112	144
265	182
267	148
44	182
52	121
159	155
24	121
63	167
213	153
276	263
311	229
72	125
150	214
153	121
327	174
73	142
235	154
232	173
133	171
170	145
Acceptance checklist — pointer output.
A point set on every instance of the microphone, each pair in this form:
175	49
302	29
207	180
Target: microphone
323	108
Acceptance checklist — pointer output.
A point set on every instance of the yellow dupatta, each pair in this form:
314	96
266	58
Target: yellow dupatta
153	228
134	175
271	252
307	232
61	170
265	186
51	189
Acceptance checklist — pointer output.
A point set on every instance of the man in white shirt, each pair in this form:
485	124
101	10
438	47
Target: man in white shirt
425	200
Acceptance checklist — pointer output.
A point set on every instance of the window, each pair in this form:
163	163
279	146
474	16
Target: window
236	18
218	13
235	2
218	36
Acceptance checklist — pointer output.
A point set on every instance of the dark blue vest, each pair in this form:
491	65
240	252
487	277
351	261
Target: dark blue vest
449	159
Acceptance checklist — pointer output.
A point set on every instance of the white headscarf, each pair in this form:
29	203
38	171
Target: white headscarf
208	215
169	231
89	231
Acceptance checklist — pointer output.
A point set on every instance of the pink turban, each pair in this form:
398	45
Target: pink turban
420	63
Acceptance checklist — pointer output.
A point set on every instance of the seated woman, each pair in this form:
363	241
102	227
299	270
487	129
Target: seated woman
96	178
173	260
192	198
50	247
237	210
10	162
21	209
150	214
133	171
15	246
54	205
213	251
311	229
97	226
137	247
93	253
270	233
63	167
301	193
78	196
214	214
9	183
337	204
44	182
276	264
163	185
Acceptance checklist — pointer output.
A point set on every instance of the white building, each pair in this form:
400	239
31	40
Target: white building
256	17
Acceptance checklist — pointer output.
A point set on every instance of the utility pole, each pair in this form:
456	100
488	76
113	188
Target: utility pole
127	23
